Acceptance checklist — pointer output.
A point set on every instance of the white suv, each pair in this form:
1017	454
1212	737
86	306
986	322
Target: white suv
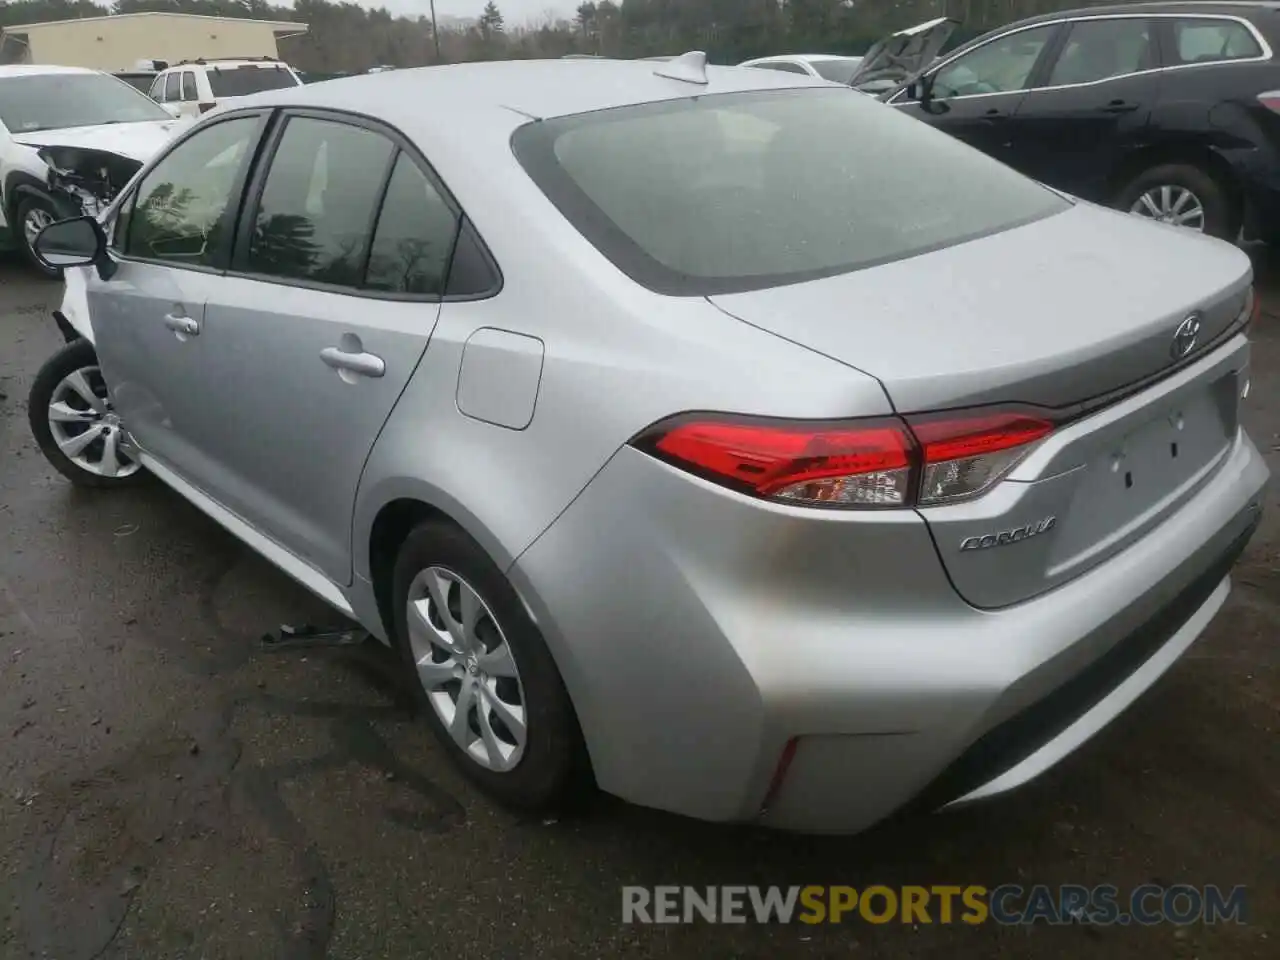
189	88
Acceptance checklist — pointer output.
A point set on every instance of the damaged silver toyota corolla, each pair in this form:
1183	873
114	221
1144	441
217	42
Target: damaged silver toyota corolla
70	139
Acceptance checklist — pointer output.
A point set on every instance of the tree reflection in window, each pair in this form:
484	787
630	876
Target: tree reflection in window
415	235
181	212
318	202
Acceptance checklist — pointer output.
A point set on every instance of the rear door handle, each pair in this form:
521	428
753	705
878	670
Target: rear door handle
364	364
188	326
1119	106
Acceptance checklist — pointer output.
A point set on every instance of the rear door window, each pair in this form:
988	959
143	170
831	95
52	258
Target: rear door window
172	88
188	85
1210	41
315	218
1102	49
244	80
742	191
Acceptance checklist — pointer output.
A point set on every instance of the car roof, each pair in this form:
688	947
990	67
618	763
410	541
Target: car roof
36	70
1190	7
495	91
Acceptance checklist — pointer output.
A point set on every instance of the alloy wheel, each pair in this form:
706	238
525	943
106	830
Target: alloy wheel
36	220
86	429
467	669
1171	204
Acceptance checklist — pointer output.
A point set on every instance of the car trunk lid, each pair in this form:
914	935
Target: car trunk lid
1075	313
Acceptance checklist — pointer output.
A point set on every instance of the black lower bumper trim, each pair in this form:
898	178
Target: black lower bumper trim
1012	741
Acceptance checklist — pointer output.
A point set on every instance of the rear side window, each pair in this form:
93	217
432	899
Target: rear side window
415	235
751	190
172	88
318	204
242	81
1209	41
781	65
839	71
188	85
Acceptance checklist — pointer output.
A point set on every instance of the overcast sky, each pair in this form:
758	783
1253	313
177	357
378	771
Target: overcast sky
514	11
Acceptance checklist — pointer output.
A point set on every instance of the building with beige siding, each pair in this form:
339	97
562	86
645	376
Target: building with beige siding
119	42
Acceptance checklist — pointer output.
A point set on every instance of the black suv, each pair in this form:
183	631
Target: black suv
1168	110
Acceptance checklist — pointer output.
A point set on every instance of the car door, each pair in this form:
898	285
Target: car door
334	292
975	95
170	242
1092	106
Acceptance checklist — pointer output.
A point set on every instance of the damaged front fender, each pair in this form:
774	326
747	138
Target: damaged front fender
84	181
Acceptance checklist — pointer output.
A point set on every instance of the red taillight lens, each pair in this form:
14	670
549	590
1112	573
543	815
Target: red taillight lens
866	463
1270	100
885	462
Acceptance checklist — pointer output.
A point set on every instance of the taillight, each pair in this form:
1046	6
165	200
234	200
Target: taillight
966	454
874	463
1270	100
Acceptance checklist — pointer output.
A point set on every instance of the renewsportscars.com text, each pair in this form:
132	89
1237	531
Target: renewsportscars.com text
1007	904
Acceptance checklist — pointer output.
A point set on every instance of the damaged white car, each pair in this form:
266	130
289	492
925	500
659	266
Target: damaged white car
70	139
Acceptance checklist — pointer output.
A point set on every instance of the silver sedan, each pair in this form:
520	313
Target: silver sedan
714	436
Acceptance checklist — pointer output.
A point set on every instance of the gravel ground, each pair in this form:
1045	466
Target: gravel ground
170	789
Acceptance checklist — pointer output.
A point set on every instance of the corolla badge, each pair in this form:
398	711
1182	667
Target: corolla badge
1185	337
1005	537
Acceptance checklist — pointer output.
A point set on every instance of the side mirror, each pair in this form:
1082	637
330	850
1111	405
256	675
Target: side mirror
921	88
80	242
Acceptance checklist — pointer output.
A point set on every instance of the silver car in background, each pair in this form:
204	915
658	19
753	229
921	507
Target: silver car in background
713	435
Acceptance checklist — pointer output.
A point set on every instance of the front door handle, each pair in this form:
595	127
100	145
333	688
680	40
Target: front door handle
187	326
1119	106
363	364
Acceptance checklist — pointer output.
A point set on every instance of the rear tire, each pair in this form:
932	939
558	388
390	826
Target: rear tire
31	213
1173	192
544	768
72	421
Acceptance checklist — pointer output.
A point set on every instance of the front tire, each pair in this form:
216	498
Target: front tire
32	215
482	673
1183	195
72	420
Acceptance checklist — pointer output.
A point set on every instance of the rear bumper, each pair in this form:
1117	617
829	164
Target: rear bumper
698	632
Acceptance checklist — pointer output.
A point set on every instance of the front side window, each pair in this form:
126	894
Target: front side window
1209	41
750	190
414	237
242	81
184	206
56	101
1101	49
157	89
188	85
318	203
1002	66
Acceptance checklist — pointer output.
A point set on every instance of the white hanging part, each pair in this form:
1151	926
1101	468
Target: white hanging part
688	67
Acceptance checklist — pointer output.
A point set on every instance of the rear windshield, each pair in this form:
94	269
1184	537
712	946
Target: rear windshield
242	81
743	191
841	71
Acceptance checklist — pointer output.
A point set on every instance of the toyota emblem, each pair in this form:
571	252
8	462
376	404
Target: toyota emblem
1185	337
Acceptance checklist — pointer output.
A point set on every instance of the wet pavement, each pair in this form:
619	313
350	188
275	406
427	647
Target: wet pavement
170	788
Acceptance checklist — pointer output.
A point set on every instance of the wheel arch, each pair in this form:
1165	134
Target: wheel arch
390	513
21	184
1195	154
